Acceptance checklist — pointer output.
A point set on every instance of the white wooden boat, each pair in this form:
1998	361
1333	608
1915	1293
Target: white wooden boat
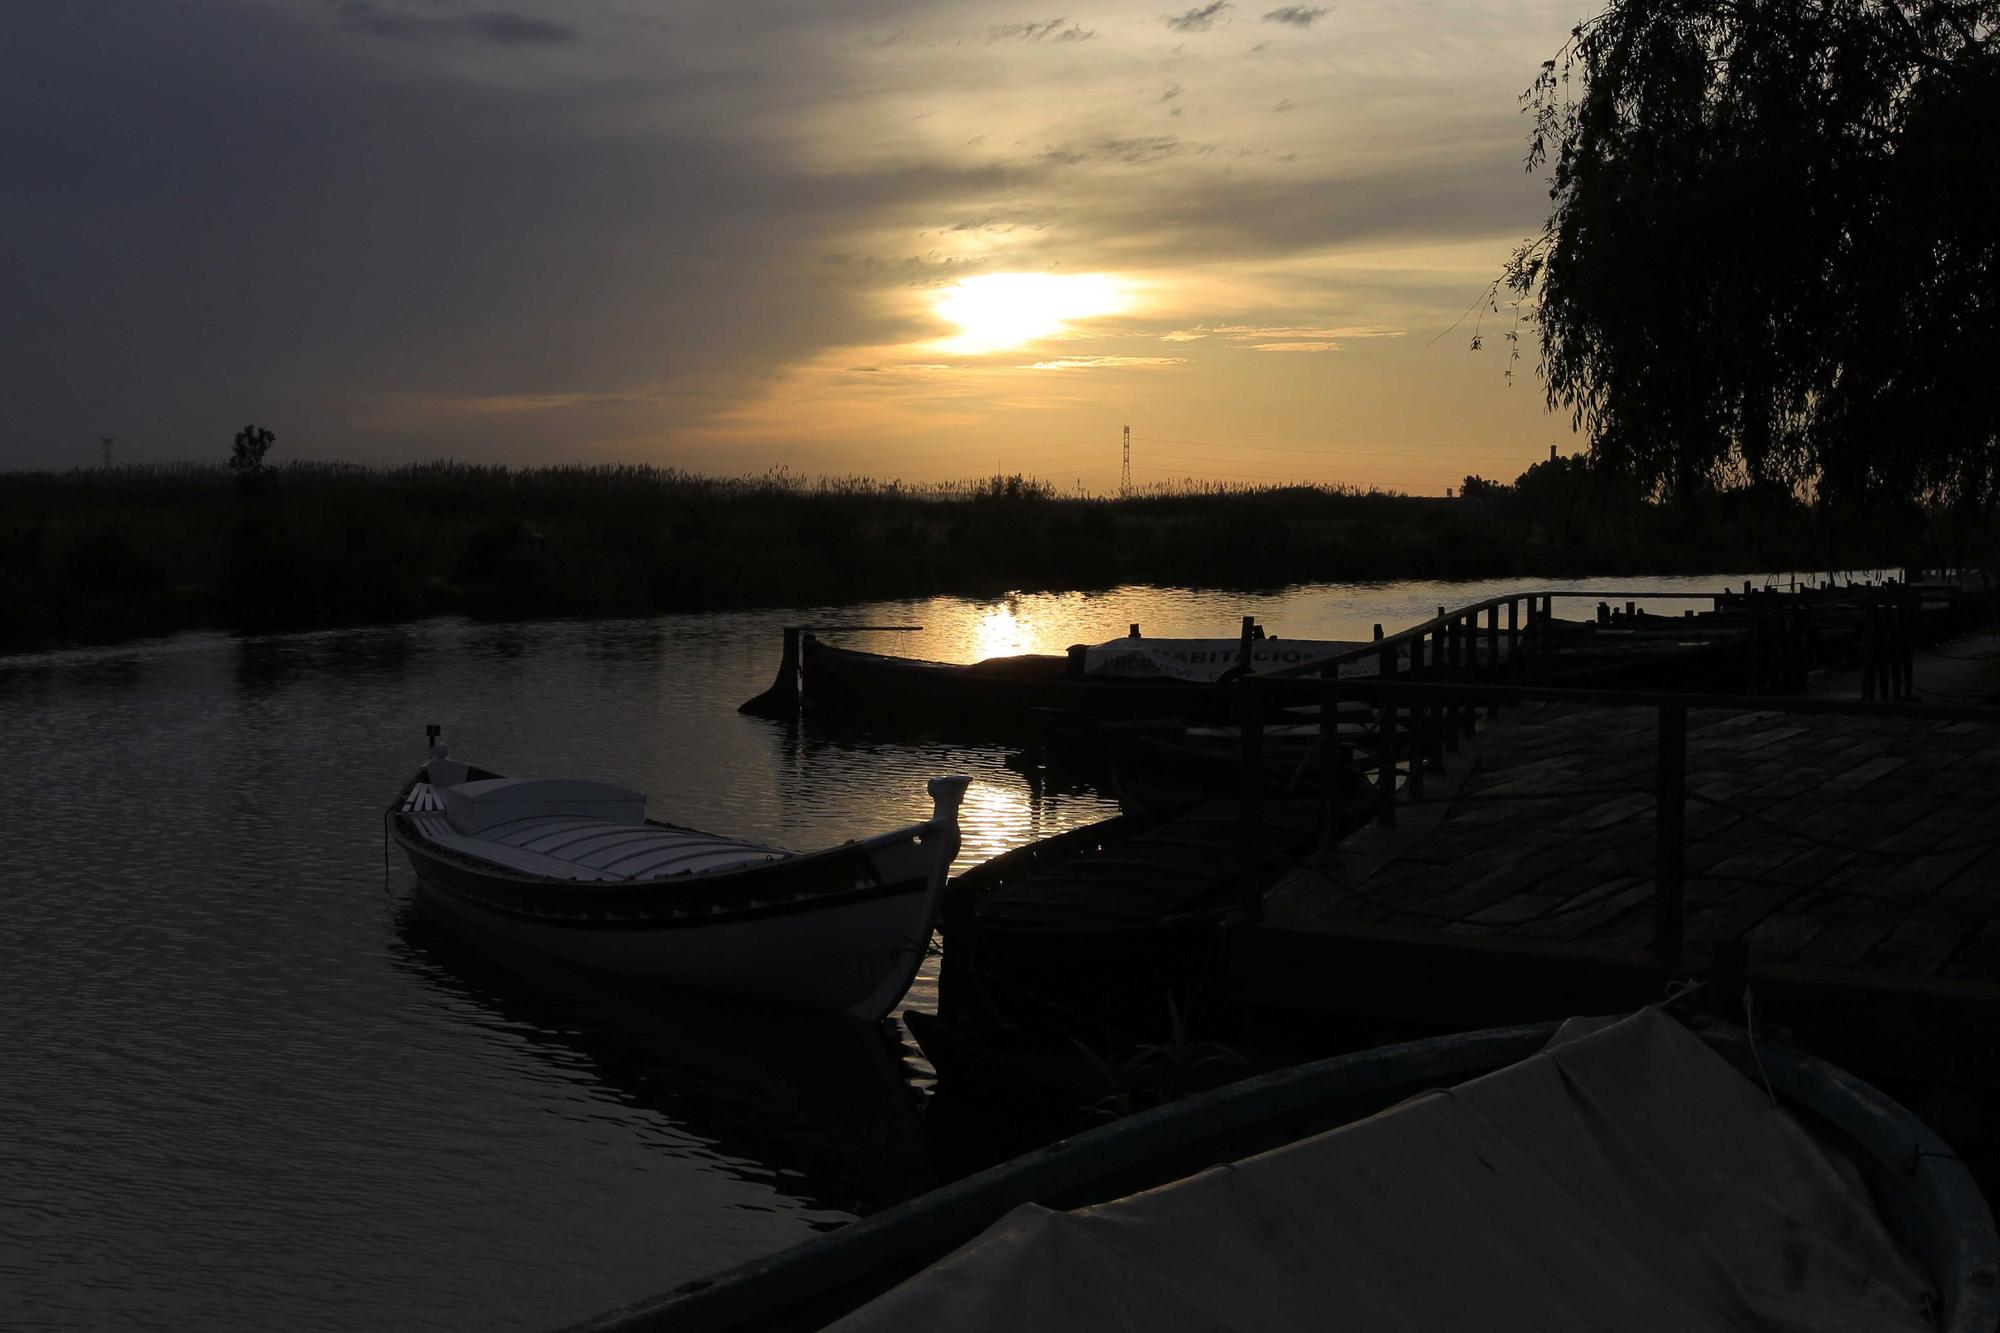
575	869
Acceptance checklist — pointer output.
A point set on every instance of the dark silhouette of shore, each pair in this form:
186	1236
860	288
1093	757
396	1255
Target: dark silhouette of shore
98	555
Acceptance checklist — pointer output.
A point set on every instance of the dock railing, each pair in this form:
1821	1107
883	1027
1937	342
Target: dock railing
1774	623
1418	723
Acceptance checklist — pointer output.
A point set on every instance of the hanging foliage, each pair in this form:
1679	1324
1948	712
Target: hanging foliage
1773	252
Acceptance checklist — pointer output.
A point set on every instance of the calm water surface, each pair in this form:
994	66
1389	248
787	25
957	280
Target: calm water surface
244	1085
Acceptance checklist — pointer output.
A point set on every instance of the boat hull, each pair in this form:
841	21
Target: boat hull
830	958
842	931
999	693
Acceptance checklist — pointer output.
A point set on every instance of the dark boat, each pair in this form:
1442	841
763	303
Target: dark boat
574	869
1125	678
1605	1174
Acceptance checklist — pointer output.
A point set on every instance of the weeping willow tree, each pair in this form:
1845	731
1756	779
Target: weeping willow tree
1773	251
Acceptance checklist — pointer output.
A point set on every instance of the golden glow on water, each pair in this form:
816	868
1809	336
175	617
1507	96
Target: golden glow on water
999	633
998	311
998	817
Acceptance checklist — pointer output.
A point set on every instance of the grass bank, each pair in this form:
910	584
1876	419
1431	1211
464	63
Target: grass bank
103	554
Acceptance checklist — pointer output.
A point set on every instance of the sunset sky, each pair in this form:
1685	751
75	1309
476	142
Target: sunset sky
875	237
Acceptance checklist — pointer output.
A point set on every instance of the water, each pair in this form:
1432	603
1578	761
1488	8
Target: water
247	1086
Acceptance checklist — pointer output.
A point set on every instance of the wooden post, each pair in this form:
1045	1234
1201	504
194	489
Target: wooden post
1419	672
1342	763
1243	649
1670	793
1419	729
1754	670
1250	799
1440	722
1492	662
1468	714
1385	729
1868	651
1493	653
1332	761
1513	638
1447	722
1540	630
1912	615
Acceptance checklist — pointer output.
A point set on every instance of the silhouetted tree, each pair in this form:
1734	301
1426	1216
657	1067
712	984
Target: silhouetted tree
1773	253
252	443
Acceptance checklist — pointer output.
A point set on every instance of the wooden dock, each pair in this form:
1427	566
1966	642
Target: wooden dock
1483	843
1839	863
1870	843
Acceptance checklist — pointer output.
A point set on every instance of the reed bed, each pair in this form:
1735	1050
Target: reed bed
107	553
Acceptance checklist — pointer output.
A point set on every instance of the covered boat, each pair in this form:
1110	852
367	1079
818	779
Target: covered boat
574	869
1131	677
1605	1174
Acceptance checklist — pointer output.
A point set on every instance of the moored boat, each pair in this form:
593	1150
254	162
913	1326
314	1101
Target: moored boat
1125	678
576	870
1627	1173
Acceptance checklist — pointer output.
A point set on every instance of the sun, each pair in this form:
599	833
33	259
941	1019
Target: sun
996	311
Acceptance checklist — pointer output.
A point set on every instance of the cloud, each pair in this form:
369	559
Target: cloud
498	27
1282	337
404	152
1035	32
1285	104
1141	150
1201	19
1299	16
1173	91
1107	362
1251	332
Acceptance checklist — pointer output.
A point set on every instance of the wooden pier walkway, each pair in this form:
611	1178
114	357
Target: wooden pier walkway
1479	842
1841	869
1866	843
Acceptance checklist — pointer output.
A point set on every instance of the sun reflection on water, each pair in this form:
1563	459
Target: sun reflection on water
999	632
998	816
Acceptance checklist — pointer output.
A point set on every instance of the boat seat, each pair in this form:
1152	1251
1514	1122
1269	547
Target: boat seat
473	807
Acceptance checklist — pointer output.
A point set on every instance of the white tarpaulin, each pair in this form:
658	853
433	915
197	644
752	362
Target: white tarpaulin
1203	660
1627	1178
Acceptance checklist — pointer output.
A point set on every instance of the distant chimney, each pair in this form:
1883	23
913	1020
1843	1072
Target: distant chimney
1552	453
1447	492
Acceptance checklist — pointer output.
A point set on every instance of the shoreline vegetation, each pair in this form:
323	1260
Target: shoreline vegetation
102	555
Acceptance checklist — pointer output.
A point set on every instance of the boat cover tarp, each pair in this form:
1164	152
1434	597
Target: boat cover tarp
1626	1178
1205	660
